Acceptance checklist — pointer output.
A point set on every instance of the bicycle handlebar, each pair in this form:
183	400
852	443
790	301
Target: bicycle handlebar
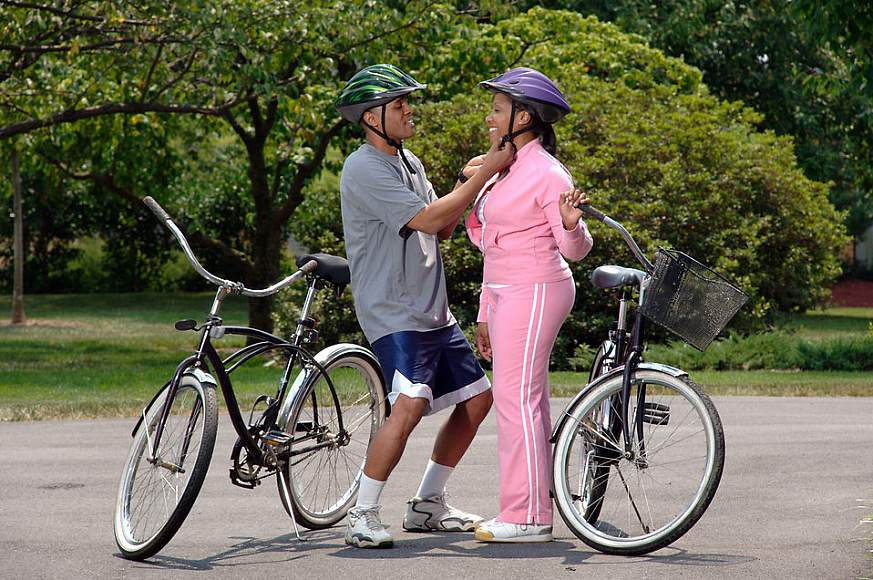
629	240
234	287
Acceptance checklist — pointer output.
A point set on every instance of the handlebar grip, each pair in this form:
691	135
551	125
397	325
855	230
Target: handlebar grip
309	266
595	213
156	208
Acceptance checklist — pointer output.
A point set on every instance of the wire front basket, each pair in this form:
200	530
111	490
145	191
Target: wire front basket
689	299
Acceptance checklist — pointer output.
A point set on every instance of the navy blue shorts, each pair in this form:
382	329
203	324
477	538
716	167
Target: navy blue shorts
437	365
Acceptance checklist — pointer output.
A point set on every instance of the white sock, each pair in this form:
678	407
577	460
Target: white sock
434	480
369	491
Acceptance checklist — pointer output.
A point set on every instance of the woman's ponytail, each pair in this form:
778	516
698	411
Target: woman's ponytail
548	139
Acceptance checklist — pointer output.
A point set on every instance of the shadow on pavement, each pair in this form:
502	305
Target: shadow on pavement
286	548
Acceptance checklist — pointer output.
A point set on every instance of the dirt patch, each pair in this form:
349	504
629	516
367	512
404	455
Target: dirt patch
46	323
853	293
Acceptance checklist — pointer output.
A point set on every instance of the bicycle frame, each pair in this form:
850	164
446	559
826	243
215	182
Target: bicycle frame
628	348
206	355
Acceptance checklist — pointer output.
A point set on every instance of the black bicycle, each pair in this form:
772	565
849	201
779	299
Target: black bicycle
639	452
313	433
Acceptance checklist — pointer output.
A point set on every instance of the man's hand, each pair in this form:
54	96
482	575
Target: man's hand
483	341
567	206
473	166
496	159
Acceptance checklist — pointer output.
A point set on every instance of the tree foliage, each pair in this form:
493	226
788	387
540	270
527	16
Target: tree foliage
806	65
264	72
680	167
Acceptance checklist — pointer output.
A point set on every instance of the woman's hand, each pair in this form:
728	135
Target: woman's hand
567	205
483	341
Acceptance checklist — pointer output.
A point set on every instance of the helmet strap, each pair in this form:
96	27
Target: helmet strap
390	141
511	135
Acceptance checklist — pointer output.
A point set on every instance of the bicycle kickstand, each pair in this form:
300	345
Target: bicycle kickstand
297	529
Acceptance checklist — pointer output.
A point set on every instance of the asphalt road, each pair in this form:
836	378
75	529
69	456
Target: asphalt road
797	482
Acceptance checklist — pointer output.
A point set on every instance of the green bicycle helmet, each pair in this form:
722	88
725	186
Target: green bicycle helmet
372	86
375	85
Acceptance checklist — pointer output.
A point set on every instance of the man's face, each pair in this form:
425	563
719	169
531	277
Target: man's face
398	119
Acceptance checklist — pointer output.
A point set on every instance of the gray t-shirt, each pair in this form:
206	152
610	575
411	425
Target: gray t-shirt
398	280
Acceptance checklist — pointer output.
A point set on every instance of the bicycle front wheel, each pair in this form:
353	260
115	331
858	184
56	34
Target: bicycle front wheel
156	493
658	488
593	484
331	433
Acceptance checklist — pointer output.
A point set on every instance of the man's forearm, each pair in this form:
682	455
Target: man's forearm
447	210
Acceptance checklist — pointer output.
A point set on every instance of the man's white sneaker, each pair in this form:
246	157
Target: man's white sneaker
433	514
493	531
365	529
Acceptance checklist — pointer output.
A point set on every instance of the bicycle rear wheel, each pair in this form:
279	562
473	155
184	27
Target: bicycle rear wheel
655	495
155	495
318	481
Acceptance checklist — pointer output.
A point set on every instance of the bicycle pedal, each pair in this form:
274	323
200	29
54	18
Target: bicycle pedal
656	414
276	438
245	484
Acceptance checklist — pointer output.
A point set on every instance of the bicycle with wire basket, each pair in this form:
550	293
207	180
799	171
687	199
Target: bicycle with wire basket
639	452
312	434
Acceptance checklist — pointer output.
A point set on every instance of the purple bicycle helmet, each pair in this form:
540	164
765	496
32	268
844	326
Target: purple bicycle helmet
536	92
532	88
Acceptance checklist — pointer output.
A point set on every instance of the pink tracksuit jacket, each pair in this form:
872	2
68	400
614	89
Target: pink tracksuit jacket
527	292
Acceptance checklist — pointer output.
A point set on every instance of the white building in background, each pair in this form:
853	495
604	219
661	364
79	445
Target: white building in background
864	249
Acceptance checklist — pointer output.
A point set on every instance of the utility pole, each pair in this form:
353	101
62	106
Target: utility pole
18	251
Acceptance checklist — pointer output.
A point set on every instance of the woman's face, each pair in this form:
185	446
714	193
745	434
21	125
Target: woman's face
498	119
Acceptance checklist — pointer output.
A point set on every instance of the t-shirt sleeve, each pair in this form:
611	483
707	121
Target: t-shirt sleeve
381	191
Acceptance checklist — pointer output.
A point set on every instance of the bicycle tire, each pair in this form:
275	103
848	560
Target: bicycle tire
141	532
686	481
318	487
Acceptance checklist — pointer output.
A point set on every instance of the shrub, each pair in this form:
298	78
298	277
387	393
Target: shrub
651	146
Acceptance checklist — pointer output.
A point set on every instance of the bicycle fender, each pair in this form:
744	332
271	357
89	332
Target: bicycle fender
322	357
198	374
658	367
202	376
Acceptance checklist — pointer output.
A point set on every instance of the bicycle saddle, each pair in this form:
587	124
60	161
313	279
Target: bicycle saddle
332	268
615	276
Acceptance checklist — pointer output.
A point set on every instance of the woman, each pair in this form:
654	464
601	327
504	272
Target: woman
523	221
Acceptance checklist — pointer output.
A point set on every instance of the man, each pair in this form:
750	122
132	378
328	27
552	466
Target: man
391	222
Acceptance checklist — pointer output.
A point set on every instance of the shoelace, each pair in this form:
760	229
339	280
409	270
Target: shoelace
371	516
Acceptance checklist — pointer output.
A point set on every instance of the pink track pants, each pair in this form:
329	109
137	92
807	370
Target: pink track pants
523	322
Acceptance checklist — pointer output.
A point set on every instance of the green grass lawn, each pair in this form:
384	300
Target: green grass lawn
105	355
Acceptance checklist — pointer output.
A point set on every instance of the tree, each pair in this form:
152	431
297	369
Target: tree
266	71
806	65
18	284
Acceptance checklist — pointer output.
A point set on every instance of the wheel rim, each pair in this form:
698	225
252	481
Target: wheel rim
324	481
643	502
149	493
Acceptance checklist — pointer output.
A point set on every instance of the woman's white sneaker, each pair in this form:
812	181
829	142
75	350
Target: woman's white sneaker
365	529
493	531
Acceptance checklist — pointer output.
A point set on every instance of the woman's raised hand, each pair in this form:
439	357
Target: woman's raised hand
570	215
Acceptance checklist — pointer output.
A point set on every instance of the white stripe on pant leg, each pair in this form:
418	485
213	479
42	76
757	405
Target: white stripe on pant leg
530	413
521	395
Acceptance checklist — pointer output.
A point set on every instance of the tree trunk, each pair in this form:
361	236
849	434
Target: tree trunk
18	251
266	244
